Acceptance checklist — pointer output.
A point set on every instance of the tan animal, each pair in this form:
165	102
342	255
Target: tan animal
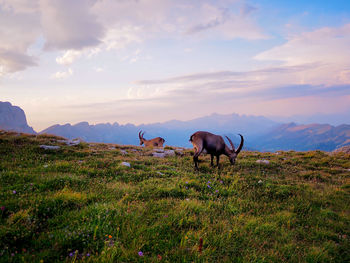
214	145
156	142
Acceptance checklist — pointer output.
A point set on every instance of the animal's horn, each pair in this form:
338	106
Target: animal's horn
140	135
233	147
241	144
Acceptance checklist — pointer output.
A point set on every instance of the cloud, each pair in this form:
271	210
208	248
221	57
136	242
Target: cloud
18	30
70	24
223	21
328	45
68	57
19	6
88	27
98	69
11	61
62	74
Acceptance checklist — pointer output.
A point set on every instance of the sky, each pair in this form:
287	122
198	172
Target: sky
146	61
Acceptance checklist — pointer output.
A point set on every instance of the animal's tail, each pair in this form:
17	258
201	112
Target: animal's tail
191	138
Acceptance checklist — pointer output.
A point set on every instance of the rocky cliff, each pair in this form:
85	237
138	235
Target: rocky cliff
13	118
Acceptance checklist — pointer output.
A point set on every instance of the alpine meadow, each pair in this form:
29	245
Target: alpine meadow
93	202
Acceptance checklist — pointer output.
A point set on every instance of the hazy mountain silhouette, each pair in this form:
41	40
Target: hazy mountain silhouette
291	136
176	133
13	118
260	133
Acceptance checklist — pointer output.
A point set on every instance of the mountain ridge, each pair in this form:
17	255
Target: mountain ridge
260	133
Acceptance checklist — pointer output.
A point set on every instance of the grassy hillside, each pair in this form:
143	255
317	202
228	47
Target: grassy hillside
78	203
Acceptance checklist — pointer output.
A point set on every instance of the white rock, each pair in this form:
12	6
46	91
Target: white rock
263	161
160	173
123	152
125	164
260	182
49	147
163	154
179	152
158	155
169	153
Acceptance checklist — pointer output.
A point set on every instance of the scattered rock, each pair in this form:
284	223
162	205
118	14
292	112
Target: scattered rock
126	164
123	152
46	165
163	154
49	147
71	142
170	153
159	155
160	173
263	161
260	182
112	148
179	152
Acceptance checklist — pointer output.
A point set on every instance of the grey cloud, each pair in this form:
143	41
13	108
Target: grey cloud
70	24
292	91
210	24
220	75
14	61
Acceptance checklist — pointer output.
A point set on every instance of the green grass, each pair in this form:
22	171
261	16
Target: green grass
79	203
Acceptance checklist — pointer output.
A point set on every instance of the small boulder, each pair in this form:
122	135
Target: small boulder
158	155
125	164
49	147
263	161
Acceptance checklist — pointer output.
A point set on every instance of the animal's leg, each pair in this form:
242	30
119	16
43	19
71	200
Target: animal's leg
211	160
196	155
217	160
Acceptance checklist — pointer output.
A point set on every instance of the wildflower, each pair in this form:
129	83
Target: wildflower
3	208
14	192
71	254
209	186
110	236
209	182
186	187
165	215
140	253
221	182
186	182
216	191
159	257
88	254
186	237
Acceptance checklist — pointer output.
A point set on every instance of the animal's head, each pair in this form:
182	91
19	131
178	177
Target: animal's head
142	140
233	153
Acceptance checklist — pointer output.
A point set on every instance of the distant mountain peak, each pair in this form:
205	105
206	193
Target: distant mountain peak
13	118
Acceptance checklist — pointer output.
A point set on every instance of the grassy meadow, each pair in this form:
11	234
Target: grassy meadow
80	204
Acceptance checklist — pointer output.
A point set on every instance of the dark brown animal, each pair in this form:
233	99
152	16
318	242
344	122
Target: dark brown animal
213	145
156	142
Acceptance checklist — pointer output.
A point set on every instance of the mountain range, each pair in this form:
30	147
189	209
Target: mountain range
260	133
